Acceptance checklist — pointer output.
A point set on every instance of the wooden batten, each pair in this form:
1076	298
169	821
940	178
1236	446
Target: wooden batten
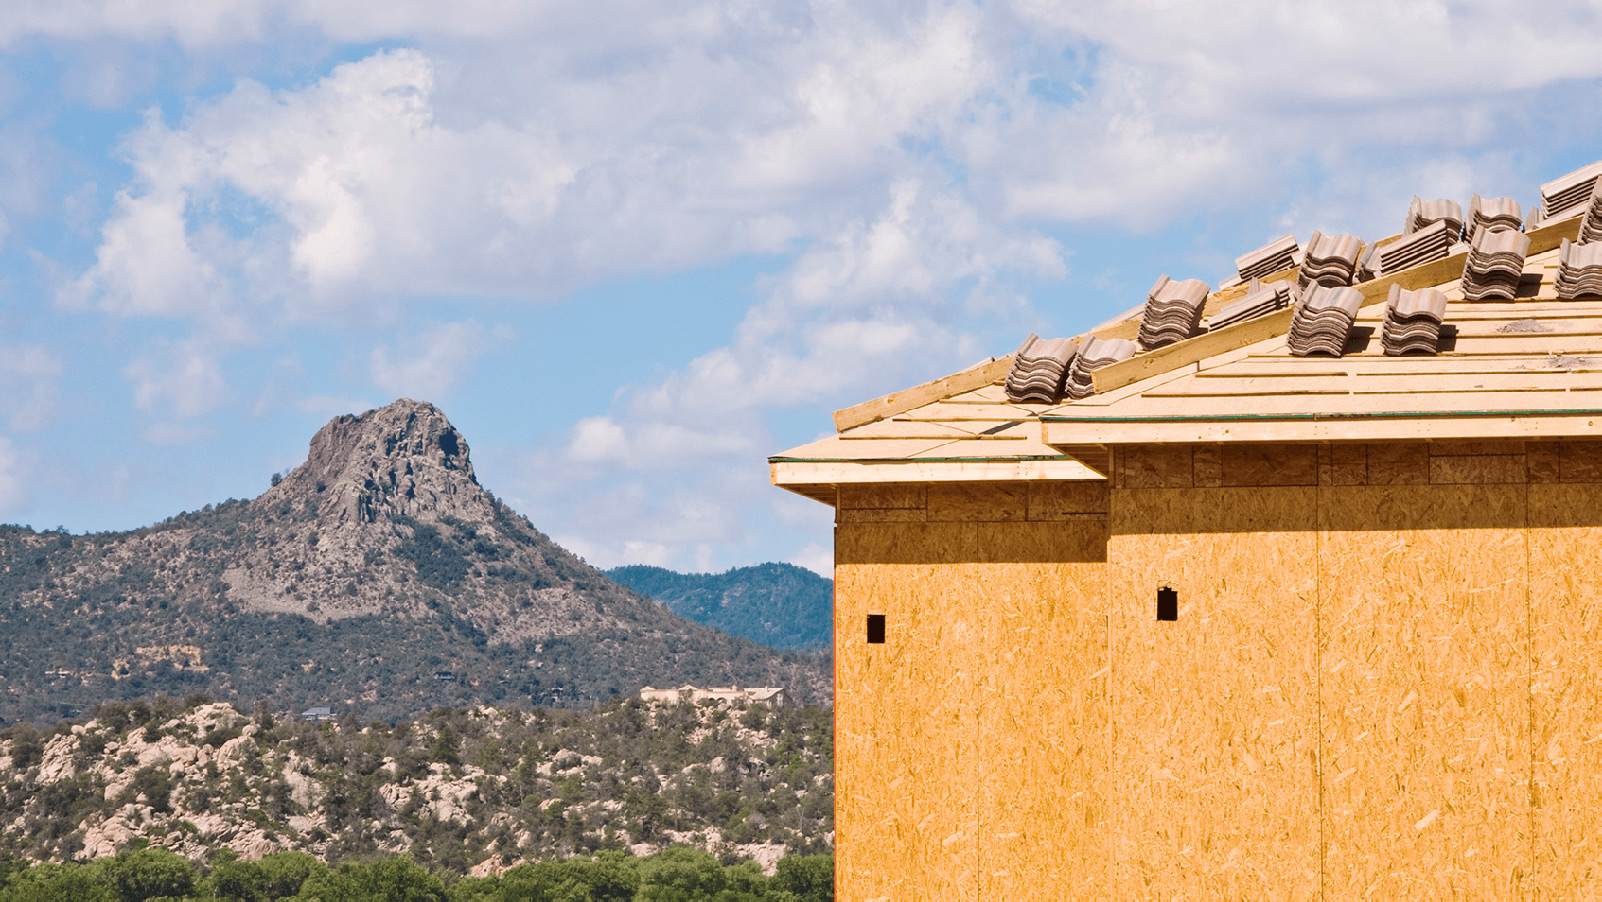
977	376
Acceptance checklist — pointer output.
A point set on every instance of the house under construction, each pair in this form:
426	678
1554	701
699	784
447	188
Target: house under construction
1281	590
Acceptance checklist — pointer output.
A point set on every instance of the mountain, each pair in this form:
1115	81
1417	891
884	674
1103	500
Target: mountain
778	605
377	578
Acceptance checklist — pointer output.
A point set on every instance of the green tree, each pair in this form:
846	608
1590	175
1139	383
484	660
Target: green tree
608	876
50	882
149	873
394	879
682	874
809	878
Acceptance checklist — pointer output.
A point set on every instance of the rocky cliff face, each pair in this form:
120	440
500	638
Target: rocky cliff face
387	518
402	460
371	568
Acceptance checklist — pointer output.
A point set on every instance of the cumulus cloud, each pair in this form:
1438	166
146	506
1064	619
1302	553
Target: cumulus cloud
430	365
28	386
907	163
178	380
13	478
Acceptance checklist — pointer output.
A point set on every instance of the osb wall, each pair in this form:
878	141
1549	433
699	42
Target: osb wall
971	748
1382	680
1446	647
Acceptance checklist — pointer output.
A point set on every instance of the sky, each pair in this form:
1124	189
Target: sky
632	249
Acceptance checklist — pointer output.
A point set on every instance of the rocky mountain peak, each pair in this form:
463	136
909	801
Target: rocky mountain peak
405	458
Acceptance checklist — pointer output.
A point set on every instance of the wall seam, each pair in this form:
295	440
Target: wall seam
1112	709
1529	681
1318	672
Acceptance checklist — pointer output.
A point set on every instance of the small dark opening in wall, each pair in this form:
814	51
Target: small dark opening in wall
876	629
1167	604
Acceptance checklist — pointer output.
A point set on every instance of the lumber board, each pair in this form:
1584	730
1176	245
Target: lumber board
906	429
1402	383
938	411
981	374
1304	405
800	474
1191	350
1353	365
1332	430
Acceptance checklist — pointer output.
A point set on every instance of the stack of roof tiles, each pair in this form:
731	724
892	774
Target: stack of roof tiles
1495	264
1412	321
1432	242
1492	213
1564	196
1097	353
1276	256
1039	368
1329	260
1173	312
1323	319
1259	300
1424	213
1579	270
1591	225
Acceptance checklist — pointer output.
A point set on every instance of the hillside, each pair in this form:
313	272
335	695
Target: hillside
778	605
378	578
461	790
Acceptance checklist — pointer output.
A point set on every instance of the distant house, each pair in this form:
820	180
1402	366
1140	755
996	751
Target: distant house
762	695
317	714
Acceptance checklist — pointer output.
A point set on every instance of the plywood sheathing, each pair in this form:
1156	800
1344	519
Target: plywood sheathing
971	746
1215	714
1490	462
973	502
1457	736
1566	720
1423	691
902	729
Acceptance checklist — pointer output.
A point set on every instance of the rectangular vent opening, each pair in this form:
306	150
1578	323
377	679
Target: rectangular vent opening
876	629
1167	604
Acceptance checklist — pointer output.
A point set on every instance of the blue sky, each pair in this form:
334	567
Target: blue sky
632	249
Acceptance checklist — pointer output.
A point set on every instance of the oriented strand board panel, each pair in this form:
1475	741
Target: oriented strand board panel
1042	749
1424	691
905	727
971	746
1215	714
1566	619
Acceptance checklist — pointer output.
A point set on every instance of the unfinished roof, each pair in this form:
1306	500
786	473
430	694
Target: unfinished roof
1525	365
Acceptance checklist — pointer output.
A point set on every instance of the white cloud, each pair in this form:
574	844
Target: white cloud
14	479
816	558
429	367
178	380
903	161
28	386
